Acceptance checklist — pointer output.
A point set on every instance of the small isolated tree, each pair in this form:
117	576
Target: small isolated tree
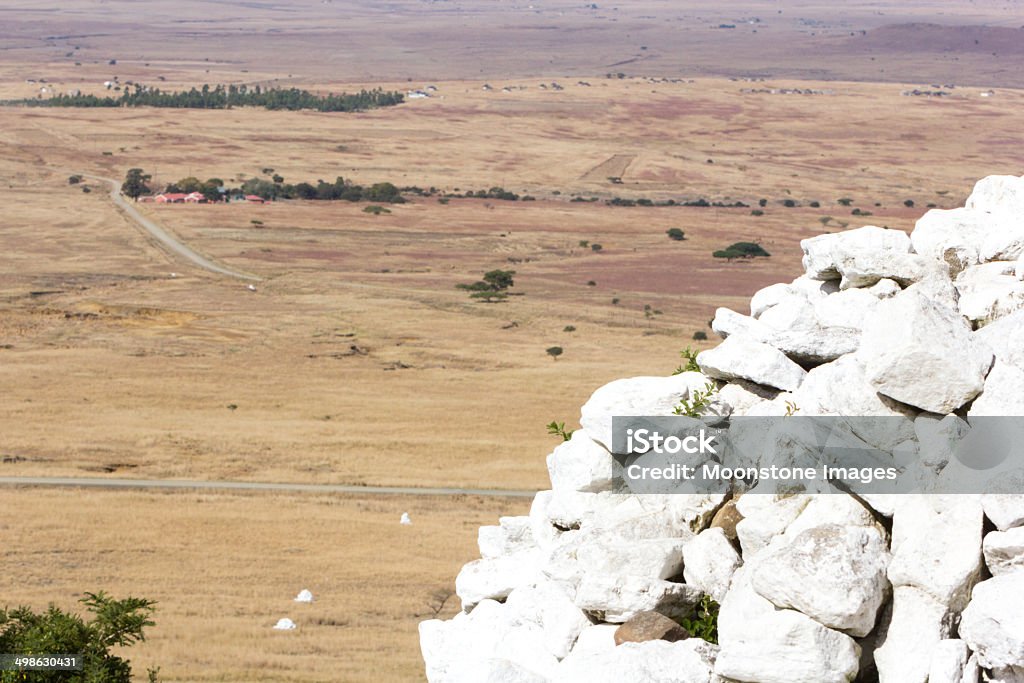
74	180
492	287
741	250
554	352
909	203
845	201
596	247
134	185
676	234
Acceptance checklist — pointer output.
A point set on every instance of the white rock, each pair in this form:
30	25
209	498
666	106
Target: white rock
814	289
599	551
951	235
635	396
821	510
764	299
791	326
618	599
863	255
767	645
1004	510
1003	393
593	640
1004	336
885	288
993	623
305	595
764	518
404	519
848	308
465	648
494	578
736	358
544	603
833	574
938	553
998	193
739	396
919	352
512	534
817	394
582	464
989	291
938	437
949	662
709	562
1004	551
284	624
655	661
918	623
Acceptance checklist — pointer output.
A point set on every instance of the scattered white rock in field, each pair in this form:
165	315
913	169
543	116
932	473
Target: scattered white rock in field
879	586
405	519
252	288
305	595
284	624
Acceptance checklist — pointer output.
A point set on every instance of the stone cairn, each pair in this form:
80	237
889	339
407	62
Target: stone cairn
592	585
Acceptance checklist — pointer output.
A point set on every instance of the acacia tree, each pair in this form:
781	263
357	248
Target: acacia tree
134	184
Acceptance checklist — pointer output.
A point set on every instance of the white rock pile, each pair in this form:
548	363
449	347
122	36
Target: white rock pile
813	588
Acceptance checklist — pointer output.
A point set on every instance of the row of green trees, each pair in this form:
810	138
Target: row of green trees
225	97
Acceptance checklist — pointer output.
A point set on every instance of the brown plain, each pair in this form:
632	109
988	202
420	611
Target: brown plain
357	360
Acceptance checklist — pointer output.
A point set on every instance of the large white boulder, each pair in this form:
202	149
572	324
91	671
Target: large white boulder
951	235
921	353
998	194
617	599
635	396
654	661
989	291
582	464
494	578
1003	394
545	604
1004	551
709	562
737	358
938	553
488	643
993	623
762	644
510	535
862	257
793	327
917	624
952	663
1003	337
1005	510
764	518
767	297
833	574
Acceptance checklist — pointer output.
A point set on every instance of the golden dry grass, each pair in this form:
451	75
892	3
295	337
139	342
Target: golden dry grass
224	568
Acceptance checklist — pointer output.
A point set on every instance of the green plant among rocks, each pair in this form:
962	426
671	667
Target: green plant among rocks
697	403
703	623
558	429
691	362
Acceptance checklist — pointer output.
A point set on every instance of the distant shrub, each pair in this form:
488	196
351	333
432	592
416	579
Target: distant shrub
789	203
756	212
375	209
596	247
74	180
815	205
584	243
615	301
554	352
700	335
591	283
676	234
741	250
909	203
845	201
860	212
762	203
569	328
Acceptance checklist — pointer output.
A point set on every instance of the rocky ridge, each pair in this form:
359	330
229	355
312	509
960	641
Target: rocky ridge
812	588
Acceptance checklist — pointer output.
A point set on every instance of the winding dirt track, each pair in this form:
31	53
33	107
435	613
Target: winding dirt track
165	238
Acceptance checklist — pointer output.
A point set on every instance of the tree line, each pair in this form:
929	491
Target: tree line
226	97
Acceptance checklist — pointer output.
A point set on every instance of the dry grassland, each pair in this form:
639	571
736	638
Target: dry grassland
224	568
357	360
